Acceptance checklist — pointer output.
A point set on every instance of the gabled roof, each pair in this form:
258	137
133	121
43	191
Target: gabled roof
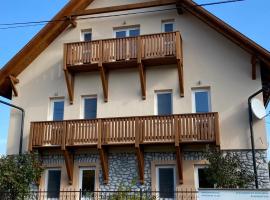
50	32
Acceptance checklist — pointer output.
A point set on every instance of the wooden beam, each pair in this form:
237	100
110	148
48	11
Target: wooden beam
103	72
124	7
140	160
72	22
70	85
69	165
180	77
179	7
141	68
254	67
103	155
179	59
13	82
179	164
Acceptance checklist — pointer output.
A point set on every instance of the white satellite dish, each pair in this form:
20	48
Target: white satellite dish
258	108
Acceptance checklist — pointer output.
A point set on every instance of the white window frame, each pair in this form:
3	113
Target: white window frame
194	100
156	99
47	177
85	31
127	29
82	103
81	169
196	174
167	22
157	176
51	107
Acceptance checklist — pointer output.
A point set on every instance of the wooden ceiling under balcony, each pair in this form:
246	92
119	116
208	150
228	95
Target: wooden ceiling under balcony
122	53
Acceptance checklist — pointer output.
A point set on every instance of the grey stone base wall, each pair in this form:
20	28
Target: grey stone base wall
123	167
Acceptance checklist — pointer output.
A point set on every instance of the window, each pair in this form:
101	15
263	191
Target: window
201	101
87	181
164	103
168	26
166	181
89	107
53	183
57	109
86	35
201	178
127	32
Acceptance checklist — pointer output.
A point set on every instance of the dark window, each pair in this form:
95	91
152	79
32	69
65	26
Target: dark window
134	32
53	184
164	103
90	108
203	182
202	101
88	181
168	27
58	110
87	36
166	182
120	34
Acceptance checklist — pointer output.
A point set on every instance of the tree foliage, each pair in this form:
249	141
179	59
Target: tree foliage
18	173
226	170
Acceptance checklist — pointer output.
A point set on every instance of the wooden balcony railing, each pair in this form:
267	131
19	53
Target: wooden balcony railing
184	128
119	49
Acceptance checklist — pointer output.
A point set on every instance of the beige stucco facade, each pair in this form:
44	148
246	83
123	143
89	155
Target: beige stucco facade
210	61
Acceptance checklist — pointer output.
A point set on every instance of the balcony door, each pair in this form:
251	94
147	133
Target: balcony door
53	181
87	182
126	49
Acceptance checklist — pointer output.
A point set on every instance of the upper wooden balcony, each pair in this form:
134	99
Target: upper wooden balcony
130	52
183	128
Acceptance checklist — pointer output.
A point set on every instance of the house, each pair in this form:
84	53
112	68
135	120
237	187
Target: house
116	91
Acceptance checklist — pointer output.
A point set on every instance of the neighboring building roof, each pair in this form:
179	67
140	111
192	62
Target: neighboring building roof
50	32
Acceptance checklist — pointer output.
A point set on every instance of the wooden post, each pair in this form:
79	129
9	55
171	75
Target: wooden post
217	129
179	59
141	67
179	164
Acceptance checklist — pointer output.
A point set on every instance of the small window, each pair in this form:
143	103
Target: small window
86	35
53	183
87	181
164	103
57	109
201	180
166	181
90	107
168	26
201	101
127	32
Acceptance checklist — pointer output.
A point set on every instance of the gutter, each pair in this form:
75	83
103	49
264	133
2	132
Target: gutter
22	121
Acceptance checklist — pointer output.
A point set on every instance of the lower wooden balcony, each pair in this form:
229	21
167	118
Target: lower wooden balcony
183	128
174	130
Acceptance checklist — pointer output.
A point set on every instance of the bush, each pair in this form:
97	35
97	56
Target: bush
226	170
18	173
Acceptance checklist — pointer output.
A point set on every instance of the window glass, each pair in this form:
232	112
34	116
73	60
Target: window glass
53	183
164	103
166	181
203	181
58	110
120	34
87	36
134	32
168	27
202	101
90	108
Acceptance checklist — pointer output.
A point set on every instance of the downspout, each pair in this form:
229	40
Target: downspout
22	122
252	131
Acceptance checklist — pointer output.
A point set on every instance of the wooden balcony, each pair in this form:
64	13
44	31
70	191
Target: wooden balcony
131	131
121	53
185	128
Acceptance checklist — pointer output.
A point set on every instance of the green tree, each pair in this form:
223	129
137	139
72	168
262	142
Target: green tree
226	170
18	173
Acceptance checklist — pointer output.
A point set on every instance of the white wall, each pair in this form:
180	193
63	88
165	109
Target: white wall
208	57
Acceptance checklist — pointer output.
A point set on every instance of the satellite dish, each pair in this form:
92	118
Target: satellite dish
258	108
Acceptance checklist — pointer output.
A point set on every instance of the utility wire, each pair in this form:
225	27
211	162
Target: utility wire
5	26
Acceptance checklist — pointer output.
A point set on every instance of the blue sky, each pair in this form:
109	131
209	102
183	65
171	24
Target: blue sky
250	17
